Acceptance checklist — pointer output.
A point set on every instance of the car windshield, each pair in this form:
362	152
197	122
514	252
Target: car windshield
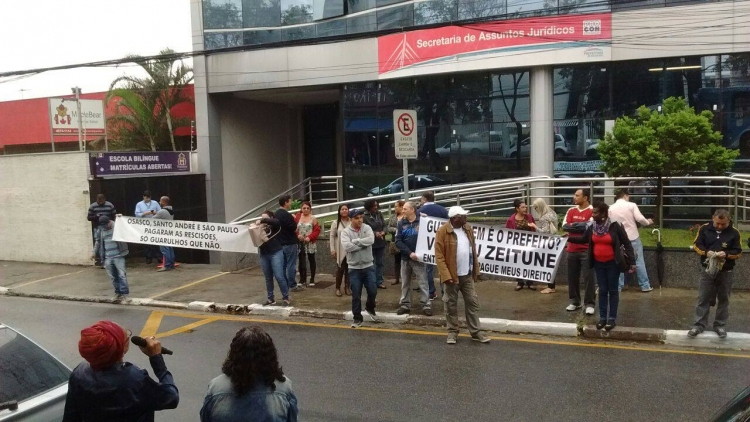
26	369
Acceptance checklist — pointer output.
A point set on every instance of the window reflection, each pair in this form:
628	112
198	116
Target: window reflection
220	14
261	13
435	11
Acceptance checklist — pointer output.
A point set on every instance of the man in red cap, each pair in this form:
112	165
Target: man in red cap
104	388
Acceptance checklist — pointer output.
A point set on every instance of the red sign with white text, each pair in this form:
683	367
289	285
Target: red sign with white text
398	51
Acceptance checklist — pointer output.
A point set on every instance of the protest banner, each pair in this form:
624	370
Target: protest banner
184	234
503	252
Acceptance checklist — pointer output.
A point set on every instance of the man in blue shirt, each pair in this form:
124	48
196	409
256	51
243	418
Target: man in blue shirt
147	209
431	209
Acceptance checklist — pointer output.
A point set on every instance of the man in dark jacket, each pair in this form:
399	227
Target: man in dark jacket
97	209
407	234
104	388
431	209
374	218
288	239
719	246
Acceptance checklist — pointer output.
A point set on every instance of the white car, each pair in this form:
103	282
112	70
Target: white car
416	181
561	148
33	383
472	144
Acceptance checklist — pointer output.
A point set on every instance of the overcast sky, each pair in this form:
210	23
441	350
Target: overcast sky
43	33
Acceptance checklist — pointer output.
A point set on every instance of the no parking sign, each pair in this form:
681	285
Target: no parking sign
405	134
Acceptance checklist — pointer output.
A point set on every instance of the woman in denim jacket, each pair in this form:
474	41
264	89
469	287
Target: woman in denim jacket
253	386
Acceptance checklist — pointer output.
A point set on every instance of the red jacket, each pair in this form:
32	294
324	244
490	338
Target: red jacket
316	227
511	223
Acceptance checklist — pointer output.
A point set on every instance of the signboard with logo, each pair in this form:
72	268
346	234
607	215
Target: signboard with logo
64	116
405	134
132	163
518	42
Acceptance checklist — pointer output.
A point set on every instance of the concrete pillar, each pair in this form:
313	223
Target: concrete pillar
541	97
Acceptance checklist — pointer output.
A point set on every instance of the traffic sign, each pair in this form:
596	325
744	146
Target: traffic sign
405	134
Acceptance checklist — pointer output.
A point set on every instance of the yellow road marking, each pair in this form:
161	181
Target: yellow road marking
152	324
433	333
187	285
45	279
185	328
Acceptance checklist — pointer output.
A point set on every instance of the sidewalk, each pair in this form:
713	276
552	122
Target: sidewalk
665	309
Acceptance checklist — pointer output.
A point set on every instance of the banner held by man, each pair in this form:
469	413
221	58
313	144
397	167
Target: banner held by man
501	251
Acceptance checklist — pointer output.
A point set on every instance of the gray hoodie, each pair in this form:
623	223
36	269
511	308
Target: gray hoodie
358	246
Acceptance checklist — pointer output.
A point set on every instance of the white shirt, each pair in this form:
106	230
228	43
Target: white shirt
463	253
627	214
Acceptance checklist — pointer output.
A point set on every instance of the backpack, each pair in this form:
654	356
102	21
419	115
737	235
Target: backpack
259	233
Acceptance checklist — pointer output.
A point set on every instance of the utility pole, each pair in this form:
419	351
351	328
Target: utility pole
77	91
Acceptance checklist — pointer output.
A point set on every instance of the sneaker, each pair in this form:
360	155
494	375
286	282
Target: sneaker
373	317
721	332
433	297
547	291
298	288
312	284
402	311
601	324
649	289
356	324
286	302
162	269
481	337
590	310
572	307
119	298
452	338
269	302
610	325
694	332
427	311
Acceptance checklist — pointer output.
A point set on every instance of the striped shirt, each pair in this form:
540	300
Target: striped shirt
96	210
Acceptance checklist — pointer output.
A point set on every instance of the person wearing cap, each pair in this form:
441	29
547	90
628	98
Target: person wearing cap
104	388
114	258
357	241
458	267
166	213
148	209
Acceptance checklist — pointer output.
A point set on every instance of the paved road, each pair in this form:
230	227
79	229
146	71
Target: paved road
390	374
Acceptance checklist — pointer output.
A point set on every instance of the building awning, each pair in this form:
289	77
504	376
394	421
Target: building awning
368	125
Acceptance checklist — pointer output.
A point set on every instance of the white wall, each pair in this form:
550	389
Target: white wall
262	152
44	199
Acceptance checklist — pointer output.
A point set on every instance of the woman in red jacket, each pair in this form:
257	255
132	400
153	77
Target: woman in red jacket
308	231
522	220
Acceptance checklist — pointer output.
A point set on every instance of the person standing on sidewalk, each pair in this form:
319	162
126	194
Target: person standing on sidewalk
357	241
610	254
271	255
628	215
308	231
148	209
546	224
398	214
521	220
431	209
458	267
166	213
337	251
575	224
289	242
374	218
114	262
406	241
719	245
97	209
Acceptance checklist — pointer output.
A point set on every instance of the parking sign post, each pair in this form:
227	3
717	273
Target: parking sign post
405	141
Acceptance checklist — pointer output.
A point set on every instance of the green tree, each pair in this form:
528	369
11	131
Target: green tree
144	105
673	143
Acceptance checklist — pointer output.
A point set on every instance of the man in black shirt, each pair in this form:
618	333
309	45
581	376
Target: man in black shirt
288	239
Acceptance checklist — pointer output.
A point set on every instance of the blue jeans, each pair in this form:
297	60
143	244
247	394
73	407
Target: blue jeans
359	278
607	277
640	267
116	270
430	269
273	266
168	253
290	265
378	255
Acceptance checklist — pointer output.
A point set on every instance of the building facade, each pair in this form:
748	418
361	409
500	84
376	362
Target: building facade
290	89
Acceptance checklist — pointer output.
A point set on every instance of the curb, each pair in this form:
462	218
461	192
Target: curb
709	339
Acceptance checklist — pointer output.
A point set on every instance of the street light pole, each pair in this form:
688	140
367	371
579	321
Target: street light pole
76	90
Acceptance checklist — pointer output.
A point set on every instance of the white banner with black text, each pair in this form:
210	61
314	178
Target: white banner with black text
502	252
184	234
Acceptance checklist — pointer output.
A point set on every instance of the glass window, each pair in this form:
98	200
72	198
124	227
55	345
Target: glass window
222	40
298	33
296	11
220	14
324	9
435	11
362	23
261	13
474	9
263	36
359	5
582	6
519	8
635	4
26	369
331	28
396	17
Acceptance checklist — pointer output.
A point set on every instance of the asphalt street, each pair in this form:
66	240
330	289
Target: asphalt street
393	374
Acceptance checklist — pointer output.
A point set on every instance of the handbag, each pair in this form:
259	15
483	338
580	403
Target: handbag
393	249
259	234
628	261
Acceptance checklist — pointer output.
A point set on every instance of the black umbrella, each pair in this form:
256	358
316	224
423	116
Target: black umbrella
659	257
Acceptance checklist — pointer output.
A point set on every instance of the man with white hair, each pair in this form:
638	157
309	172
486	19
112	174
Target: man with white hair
407	234
457	263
